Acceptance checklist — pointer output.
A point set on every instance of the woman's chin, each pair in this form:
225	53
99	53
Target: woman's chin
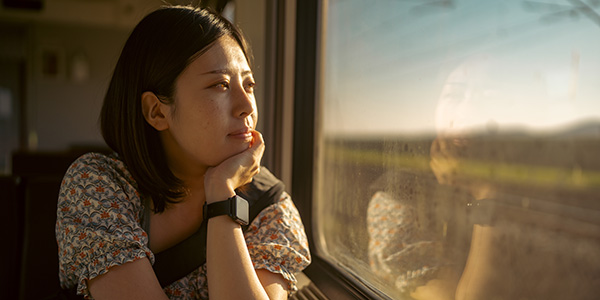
230	153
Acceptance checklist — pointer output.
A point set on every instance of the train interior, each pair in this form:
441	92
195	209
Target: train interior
444	115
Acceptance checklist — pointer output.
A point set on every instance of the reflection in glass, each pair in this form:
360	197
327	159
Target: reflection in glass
458	147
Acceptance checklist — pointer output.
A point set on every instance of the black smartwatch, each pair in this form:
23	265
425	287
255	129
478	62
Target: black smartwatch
235	207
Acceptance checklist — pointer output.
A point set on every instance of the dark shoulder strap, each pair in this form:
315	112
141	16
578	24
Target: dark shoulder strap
178	261
264	190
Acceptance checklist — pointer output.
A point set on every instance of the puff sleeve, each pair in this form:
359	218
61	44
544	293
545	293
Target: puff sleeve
98	221
277	241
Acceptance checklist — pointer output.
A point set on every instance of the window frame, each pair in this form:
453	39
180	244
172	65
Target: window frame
331	280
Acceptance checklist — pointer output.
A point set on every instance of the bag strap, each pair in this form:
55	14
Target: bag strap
176	262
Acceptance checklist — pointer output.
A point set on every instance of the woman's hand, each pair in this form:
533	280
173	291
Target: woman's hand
227	257
221	181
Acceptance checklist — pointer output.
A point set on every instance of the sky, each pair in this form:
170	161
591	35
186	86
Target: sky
418	66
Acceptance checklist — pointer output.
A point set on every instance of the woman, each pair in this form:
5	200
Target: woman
180	115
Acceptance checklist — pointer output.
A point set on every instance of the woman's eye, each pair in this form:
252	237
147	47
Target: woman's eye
250	87
222	85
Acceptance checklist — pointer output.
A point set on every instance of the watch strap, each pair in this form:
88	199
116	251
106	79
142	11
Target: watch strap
219	208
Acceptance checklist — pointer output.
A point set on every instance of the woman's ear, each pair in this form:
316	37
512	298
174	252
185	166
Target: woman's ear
155	112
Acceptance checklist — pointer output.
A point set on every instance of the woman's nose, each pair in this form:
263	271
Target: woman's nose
245	103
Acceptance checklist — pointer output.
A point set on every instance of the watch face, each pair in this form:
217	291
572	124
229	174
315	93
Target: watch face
242	210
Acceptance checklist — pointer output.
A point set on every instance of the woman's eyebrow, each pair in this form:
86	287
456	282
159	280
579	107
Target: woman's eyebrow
219	71
226	72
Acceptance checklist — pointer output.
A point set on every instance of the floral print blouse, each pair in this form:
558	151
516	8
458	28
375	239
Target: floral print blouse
100	224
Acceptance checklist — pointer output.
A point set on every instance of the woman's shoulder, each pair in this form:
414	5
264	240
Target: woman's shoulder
97	162
100	177
94	165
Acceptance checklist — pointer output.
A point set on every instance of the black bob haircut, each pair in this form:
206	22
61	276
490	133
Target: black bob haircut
159	48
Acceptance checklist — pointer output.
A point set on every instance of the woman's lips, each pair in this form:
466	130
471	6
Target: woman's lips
244	133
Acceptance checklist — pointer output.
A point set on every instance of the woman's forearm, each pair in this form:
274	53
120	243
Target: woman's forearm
230	272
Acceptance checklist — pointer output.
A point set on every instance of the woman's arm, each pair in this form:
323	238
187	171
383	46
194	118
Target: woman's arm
136	280
231	274
132	280
275	285
230	271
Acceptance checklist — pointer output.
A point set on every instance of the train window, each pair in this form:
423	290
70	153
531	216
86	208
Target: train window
457	147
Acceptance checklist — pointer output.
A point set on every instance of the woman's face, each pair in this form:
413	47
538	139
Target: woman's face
214	110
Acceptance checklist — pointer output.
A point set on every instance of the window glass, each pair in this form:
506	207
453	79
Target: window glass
458	147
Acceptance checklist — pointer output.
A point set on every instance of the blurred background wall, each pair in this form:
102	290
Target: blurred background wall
56	60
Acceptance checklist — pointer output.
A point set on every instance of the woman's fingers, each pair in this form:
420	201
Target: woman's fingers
257	148
256	151
237	170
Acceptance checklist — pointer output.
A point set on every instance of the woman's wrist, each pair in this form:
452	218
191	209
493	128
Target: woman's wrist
220	195
223	220
217	189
